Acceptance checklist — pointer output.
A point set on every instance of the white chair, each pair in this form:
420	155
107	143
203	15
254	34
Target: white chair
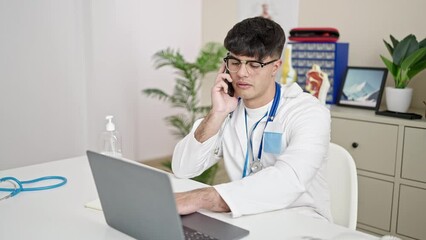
343	184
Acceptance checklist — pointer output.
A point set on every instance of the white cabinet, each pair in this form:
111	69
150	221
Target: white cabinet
412	212
414	154
375	202
390	155
366	141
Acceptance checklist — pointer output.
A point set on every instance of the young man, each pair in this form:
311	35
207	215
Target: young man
273	138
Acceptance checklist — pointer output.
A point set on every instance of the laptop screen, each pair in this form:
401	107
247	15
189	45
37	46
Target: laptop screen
138	200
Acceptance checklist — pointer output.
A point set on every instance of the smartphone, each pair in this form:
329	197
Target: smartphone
231	90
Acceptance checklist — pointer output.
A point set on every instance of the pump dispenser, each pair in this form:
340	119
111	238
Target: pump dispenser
110	127
110	140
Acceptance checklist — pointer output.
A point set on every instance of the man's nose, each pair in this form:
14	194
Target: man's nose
243	71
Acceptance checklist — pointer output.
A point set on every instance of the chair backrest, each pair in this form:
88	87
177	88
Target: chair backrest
343	184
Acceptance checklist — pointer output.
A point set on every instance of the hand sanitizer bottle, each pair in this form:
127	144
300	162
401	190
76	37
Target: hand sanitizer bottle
110	139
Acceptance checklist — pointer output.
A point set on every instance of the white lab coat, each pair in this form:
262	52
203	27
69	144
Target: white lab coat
294	178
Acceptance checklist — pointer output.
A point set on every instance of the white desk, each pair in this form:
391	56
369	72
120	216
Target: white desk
60	213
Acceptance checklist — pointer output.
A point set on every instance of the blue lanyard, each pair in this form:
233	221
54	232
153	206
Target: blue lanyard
19	185
249	141
271	117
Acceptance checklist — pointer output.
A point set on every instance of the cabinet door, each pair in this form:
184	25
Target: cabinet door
412	212
372	145
414	154
375	202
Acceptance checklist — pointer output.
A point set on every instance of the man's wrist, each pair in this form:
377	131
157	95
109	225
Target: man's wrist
209	126
211	200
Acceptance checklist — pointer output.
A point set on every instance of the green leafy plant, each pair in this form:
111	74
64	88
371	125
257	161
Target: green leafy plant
408	59
185	95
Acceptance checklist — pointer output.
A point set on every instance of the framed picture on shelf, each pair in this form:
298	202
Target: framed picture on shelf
362	87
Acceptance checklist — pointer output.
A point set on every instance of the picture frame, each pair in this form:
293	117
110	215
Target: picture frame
362	87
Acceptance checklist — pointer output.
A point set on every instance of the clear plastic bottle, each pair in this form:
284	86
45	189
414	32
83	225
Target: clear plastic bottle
110	140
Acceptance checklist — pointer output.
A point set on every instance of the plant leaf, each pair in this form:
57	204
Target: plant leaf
394	41
181	124
207	176
170	57
203	110
417	68
210	57
422	43
185	94
167	164
407	46
414	63
389	47
393	69
155	92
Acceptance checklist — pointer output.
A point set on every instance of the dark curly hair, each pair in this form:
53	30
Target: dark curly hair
256	37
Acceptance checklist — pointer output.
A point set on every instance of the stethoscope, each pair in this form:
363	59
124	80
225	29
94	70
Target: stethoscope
18	186
256	165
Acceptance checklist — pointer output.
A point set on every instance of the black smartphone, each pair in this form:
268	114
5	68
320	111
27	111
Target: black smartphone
231	90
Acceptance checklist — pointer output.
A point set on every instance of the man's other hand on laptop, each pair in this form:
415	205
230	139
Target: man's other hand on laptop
203	198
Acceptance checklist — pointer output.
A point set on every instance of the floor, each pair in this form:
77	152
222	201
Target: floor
221	176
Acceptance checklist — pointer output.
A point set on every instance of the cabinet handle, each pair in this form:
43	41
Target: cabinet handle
355	144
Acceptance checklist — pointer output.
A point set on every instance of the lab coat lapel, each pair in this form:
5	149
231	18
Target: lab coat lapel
240	131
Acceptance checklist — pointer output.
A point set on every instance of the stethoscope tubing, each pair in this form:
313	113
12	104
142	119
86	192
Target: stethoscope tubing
19	185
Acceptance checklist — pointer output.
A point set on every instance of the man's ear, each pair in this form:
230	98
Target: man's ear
277	66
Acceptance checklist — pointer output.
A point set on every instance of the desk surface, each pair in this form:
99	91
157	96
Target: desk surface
60	213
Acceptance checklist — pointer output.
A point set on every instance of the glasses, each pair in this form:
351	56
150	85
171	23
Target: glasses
234	64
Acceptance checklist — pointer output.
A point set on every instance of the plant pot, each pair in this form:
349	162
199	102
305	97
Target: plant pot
398	99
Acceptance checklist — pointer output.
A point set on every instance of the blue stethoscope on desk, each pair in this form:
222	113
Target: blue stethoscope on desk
256	165
18	186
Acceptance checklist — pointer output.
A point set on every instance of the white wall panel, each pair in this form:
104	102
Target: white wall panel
64	65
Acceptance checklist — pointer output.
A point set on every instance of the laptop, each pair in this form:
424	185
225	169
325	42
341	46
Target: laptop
138	200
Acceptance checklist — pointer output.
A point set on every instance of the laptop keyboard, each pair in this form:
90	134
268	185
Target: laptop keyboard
191	234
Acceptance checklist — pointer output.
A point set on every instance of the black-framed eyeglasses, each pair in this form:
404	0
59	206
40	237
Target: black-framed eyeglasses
234	64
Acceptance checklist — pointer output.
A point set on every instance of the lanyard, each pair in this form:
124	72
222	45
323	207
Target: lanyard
250	142
271	117
19	185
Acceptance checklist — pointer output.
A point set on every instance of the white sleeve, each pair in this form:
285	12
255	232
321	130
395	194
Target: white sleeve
286	183
190	157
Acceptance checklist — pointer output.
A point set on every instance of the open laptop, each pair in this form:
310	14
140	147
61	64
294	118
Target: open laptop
138	200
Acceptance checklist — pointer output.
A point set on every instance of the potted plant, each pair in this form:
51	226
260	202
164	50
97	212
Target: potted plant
185	95
408	59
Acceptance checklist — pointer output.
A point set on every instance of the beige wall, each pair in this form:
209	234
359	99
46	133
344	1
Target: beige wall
218	16
362	23
65	65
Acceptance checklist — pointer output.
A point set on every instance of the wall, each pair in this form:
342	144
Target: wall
167	23
214	29
64	65
364	24
112	62
125	36
43	81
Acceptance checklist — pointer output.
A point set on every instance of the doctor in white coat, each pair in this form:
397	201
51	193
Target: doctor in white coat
273	138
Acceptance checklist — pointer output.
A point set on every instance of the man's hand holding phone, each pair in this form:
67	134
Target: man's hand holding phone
231	90
223	93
